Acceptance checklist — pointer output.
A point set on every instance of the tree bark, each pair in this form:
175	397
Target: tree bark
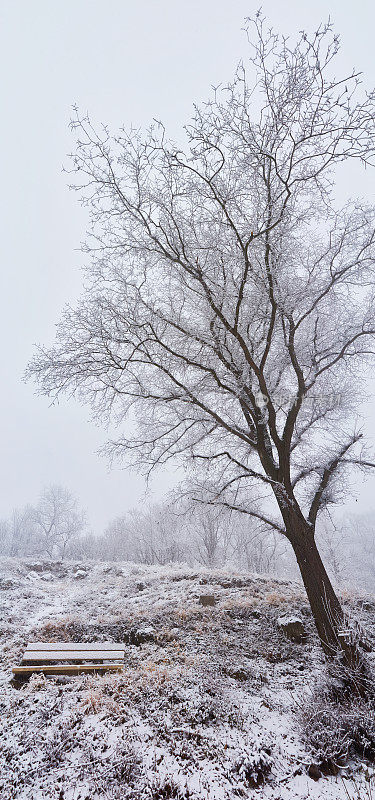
326	609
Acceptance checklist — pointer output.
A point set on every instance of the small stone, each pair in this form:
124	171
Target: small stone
207	600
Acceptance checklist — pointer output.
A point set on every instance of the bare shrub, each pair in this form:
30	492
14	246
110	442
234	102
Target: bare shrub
168	789
337	730
254	766
126	767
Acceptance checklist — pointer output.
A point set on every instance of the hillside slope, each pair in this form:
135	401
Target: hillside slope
210	704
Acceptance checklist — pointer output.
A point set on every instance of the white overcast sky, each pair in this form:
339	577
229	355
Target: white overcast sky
124	62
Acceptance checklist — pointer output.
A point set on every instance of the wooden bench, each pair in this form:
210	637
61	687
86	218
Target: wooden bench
72	658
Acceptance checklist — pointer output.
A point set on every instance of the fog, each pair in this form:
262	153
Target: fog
124	63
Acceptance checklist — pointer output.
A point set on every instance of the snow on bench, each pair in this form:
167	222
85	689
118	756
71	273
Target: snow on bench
73	658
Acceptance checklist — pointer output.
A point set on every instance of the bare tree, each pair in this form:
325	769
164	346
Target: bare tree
359	531
229	302
57	521
86	546
156	536
258	549
116	543
4	538
206	540
19	532
210	535
333	542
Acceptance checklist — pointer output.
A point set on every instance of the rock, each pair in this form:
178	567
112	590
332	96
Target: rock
140	587
185	577
239	673
329	767
207	600
142	635
80	573
37	567
233	583
52	568
314	772
292	627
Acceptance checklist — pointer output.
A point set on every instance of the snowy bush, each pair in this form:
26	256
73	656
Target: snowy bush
253	767
168	789
335	731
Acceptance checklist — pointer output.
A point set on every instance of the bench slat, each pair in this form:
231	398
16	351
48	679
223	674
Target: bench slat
74	646
67	655
66	669
37	653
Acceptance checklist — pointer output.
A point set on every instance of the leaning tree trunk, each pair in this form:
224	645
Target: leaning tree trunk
328	614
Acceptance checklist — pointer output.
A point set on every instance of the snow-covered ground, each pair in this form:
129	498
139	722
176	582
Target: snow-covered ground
208	706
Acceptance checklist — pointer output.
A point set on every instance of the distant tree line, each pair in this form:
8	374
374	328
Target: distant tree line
56	528
159	535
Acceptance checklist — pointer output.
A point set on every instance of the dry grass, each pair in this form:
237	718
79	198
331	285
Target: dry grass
239	603
184	614
275	599
97	702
